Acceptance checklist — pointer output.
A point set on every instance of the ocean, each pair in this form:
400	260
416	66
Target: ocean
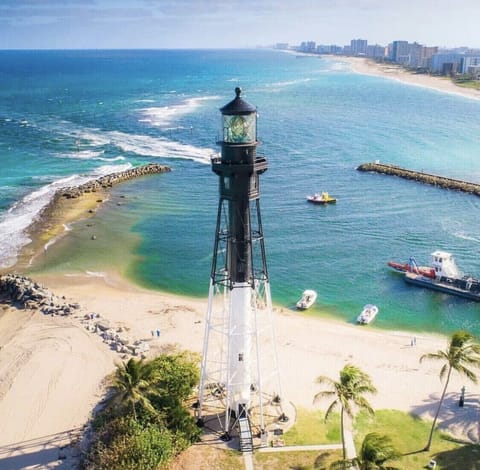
70	116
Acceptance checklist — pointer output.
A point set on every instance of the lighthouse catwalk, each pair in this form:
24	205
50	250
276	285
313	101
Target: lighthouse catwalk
240	384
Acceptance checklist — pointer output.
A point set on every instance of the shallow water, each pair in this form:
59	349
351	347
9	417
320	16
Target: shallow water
66	116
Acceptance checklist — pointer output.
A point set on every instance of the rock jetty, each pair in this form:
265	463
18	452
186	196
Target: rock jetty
115	337
434	180
23	292
108	181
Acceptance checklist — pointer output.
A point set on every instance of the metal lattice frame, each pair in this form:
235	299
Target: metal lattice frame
215	383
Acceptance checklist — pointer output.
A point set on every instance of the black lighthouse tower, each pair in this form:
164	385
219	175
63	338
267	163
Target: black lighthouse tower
239	366
239	169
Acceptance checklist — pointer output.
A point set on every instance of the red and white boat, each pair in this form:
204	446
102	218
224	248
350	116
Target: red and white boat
413	267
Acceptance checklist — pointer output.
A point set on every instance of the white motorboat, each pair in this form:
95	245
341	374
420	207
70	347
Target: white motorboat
368	314
308	298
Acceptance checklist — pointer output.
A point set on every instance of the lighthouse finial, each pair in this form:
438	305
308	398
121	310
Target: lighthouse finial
238	90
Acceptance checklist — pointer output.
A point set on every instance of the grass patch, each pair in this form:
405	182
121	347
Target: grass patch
474	84
311	460
206	457
310	428
410	434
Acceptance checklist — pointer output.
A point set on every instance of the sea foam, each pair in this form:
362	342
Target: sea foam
165	115
20	216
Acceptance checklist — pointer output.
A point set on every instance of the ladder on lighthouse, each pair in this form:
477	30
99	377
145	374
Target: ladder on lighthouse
245	434
244	430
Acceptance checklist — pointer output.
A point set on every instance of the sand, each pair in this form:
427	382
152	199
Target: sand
52	370
395	72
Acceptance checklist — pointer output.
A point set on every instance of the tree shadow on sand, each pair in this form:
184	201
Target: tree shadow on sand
460	422
57	450
460	458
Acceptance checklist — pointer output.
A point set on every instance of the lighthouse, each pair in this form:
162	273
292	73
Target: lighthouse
240	383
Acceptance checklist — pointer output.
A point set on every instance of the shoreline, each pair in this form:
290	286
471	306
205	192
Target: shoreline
365	66
69	205
43	354
53	368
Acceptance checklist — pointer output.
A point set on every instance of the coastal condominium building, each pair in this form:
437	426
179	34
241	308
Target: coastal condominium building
376	51
446	63
426	57
470	64
308	46
400	52
358	47
412	55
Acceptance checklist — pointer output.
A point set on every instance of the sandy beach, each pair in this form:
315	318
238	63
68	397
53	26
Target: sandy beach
395	72
53	370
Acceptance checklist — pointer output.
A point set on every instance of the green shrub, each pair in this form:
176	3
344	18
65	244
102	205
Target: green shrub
130	445
145	422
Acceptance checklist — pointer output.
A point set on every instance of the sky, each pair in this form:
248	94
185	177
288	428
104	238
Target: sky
152	24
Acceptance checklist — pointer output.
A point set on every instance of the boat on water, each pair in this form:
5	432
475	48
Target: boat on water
308	298
321	198
448	278
412	267
367	315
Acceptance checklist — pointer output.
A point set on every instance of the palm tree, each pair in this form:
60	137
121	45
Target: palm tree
462	352
349	391
376	450
133	383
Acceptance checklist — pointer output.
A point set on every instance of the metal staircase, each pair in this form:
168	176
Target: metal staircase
245	434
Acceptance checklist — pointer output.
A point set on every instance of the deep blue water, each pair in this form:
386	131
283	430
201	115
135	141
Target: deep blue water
66	116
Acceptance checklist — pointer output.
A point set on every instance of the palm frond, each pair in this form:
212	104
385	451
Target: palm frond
330	409
323	394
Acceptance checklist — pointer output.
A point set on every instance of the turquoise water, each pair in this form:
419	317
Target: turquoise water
67	116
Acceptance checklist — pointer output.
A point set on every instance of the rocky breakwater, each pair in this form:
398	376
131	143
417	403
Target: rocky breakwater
116	337
23	292
434	180
108	181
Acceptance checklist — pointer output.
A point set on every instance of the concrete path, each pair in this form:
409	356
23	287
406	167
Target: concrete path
248	459
351	452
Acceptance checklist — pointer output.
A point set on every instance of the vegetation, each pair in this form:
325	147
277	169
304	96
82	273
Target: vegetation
377	449
407	432
467	81
347	393
311	429
145	422
133	383
461	354
299	460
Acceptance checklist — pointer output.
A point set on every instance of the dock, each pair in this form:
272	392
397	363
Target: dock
421	177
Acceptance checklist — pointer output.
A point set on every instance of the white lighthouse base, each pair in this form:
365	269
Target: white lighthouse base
277	422
239	376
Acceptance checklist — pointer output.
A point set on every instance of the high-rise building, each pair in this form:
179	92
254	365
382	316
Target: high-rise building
358	47
376	51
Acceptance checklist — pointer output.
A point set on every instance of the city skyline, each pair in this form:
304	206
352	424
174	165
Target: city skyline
97	24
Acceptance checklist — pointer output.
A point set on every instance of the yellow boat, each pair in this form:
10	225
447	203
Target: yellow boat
323	198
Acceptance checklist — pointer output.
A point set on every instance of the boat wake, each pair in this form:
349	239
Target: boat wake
465	236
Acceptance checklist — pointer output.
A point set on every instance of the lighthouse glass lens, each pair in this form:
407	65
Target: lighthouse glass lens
239	129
